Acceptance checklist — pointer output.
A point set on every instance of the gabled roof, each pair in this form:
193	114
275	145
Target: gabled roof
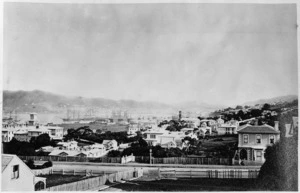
6	159
258	129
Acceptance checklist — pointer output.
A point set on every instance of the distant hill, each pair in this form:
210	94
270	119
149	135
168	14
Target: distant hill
40	101
275	100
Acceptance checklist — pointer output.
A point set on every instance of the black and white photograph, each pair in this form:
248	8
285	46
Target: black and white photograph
176	96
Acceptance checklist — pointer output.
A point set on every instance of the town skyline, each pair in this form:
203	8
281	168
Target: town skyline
146	52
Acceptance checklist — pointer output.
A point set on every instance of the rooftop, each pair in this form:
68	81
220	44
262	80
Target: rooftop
258	129
6	159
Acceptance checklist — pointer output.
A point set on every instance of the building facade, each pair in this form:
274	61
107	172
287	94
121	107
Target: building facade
253	140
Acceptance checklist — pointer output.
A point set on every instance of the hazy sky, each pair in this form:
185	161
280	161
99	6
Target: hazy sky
215	53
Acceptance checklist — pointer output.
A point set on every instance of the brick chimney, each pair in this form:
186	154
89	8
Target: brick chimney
276	127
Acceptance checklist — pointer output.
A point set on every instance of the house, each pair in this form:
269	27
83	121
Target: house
124	146
187	130
70	145
152	137
71	149
171	136
56	132
65	153
204	129
229	127
110	144
36	131
132	129
21	135
17	176
192	122
24	132
7	134
170	144
253	140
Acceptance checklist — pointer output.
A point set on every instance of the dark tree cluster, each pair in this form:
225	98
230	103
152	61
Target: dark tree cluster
27	148
280	170
87	134
31	165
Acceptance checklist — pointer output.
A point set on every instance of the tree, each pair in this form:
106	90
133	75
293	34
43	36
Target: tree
114	153
239	107
171	128
30	164
266	106
280	170
41	141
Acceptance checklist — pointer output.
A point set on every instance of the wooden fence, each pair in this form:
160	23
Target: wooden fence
72	159
139	159
44	171
233	174
248	163
96	182
185	160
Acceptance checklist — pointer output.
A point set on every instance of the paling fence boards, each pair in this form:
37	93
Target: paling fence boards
140	159
95	182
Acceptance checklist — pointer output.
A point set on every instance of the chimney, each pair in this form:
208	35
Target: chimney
179	117
276	127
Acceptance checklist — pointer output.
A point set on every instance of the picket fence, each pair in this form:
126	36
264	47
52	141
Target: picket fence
97	182
45	171
72	159
139	159
185	160
232	174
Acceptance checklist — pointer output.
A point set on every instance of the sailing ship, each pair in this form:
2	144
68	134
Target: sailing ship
74	116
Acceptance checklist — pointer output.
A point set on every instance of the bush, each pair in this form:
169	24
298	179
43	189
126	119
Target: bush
47	164
30	164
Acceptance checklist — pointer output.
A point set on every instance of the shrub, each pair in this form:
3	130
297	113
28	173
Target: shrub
30	164
47	164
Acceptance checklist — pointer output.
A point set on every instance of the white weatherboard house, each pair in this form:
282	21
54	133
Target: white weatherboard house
253	140
17	176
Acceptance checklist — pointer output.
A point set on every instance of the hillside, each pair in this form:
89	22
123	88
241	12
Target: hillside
275	100
40	101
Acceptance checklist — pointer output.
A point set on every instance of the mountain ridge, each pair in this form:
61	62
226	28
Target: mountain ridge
43	101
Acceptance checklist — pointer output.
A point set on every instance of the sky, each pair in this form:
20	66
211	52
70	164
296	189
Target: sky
213	53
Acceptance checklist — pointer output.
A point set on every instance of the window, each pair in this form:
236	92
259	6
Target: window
272	139
152	136
15	172
258	139
258	155
245	138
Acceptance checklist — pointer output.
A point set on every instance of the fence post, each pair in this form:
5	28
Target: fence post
159	176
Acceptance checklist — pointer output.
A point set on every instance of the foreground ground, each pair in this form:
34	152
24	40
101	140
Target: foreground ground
185	184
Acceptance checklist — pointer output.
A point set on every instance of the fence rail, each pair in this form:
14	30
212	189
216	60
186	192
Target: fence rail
233	174
72	159
185	160
96	182
139	159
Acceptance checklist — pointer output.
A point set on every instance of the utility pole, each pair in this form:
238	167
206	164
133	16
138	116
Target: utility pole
150	155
